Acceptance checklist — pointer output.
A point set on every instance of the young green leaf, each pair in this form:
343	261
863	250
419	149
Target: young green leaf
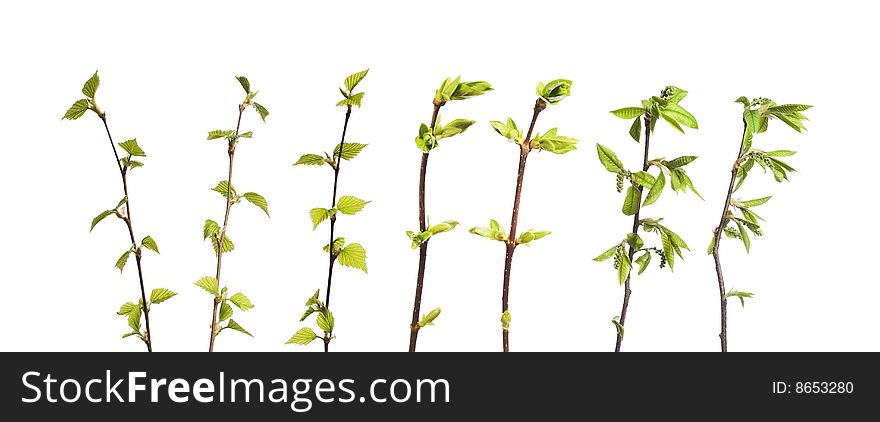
123	259
350	205
303	337
217	134
100	217
310	160
616	322
353	256
742	296
635	131
632	201
211	229
77	110
455	127
127	308
235	326
624	266
131	147
261	111
160	295
530	235
655	190
134	320
505	320
91	86
325	320
629	113
352	80
337	245
245	84
607	254
443	227
318	215
258	200
150	244
429	318
555	90
209	284
679	162
228	246
465	90
349	150
241	301
225	189
609	159
644	178
226	311
507	130
643	261
755	202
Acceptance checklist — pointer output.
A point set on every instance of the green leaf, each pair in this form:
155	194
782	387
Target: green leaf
310	160
225	189
465	90
744	236
247	134
554	143
668	250
354	100
303	337
635	241
241	301
744	101
150	244
261	111
349	150
245	84
228	246
616	322
627	113
91	86
679	162
134	163
643	261
337	244
210	284
258	200
555	90
235	326
655	190
120	263
131	147
635	131
226	311
530	235
127	308
100	217
644	178
217	134
752	118
780	153
607	254
669	119
325	320
429	318
160	295
624	266
632	201
443	227
755	202
455	127
76	110
353	256
609	159
742	296
354	79
211	229
789	108
318	216
350	205
507	130
680	115
134	319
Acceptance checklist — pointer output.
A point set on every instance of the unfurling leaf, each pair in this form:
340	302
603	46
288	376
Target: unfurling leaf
338	243
453	128
508	130
742	296
530	235
150	244
245	84
261	111
226	311
225	189
353	256
350	205
303	337
318	215
160	295
217	134
235	326
624	266
127	308
443	227
91	86
258	200
554	91
211	229
429	318
618	326
120	263
352	80
325	320
228	246
77	110
131	147
210	284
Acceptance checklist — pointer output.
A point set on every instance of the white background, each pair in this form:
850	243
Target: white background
167	78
